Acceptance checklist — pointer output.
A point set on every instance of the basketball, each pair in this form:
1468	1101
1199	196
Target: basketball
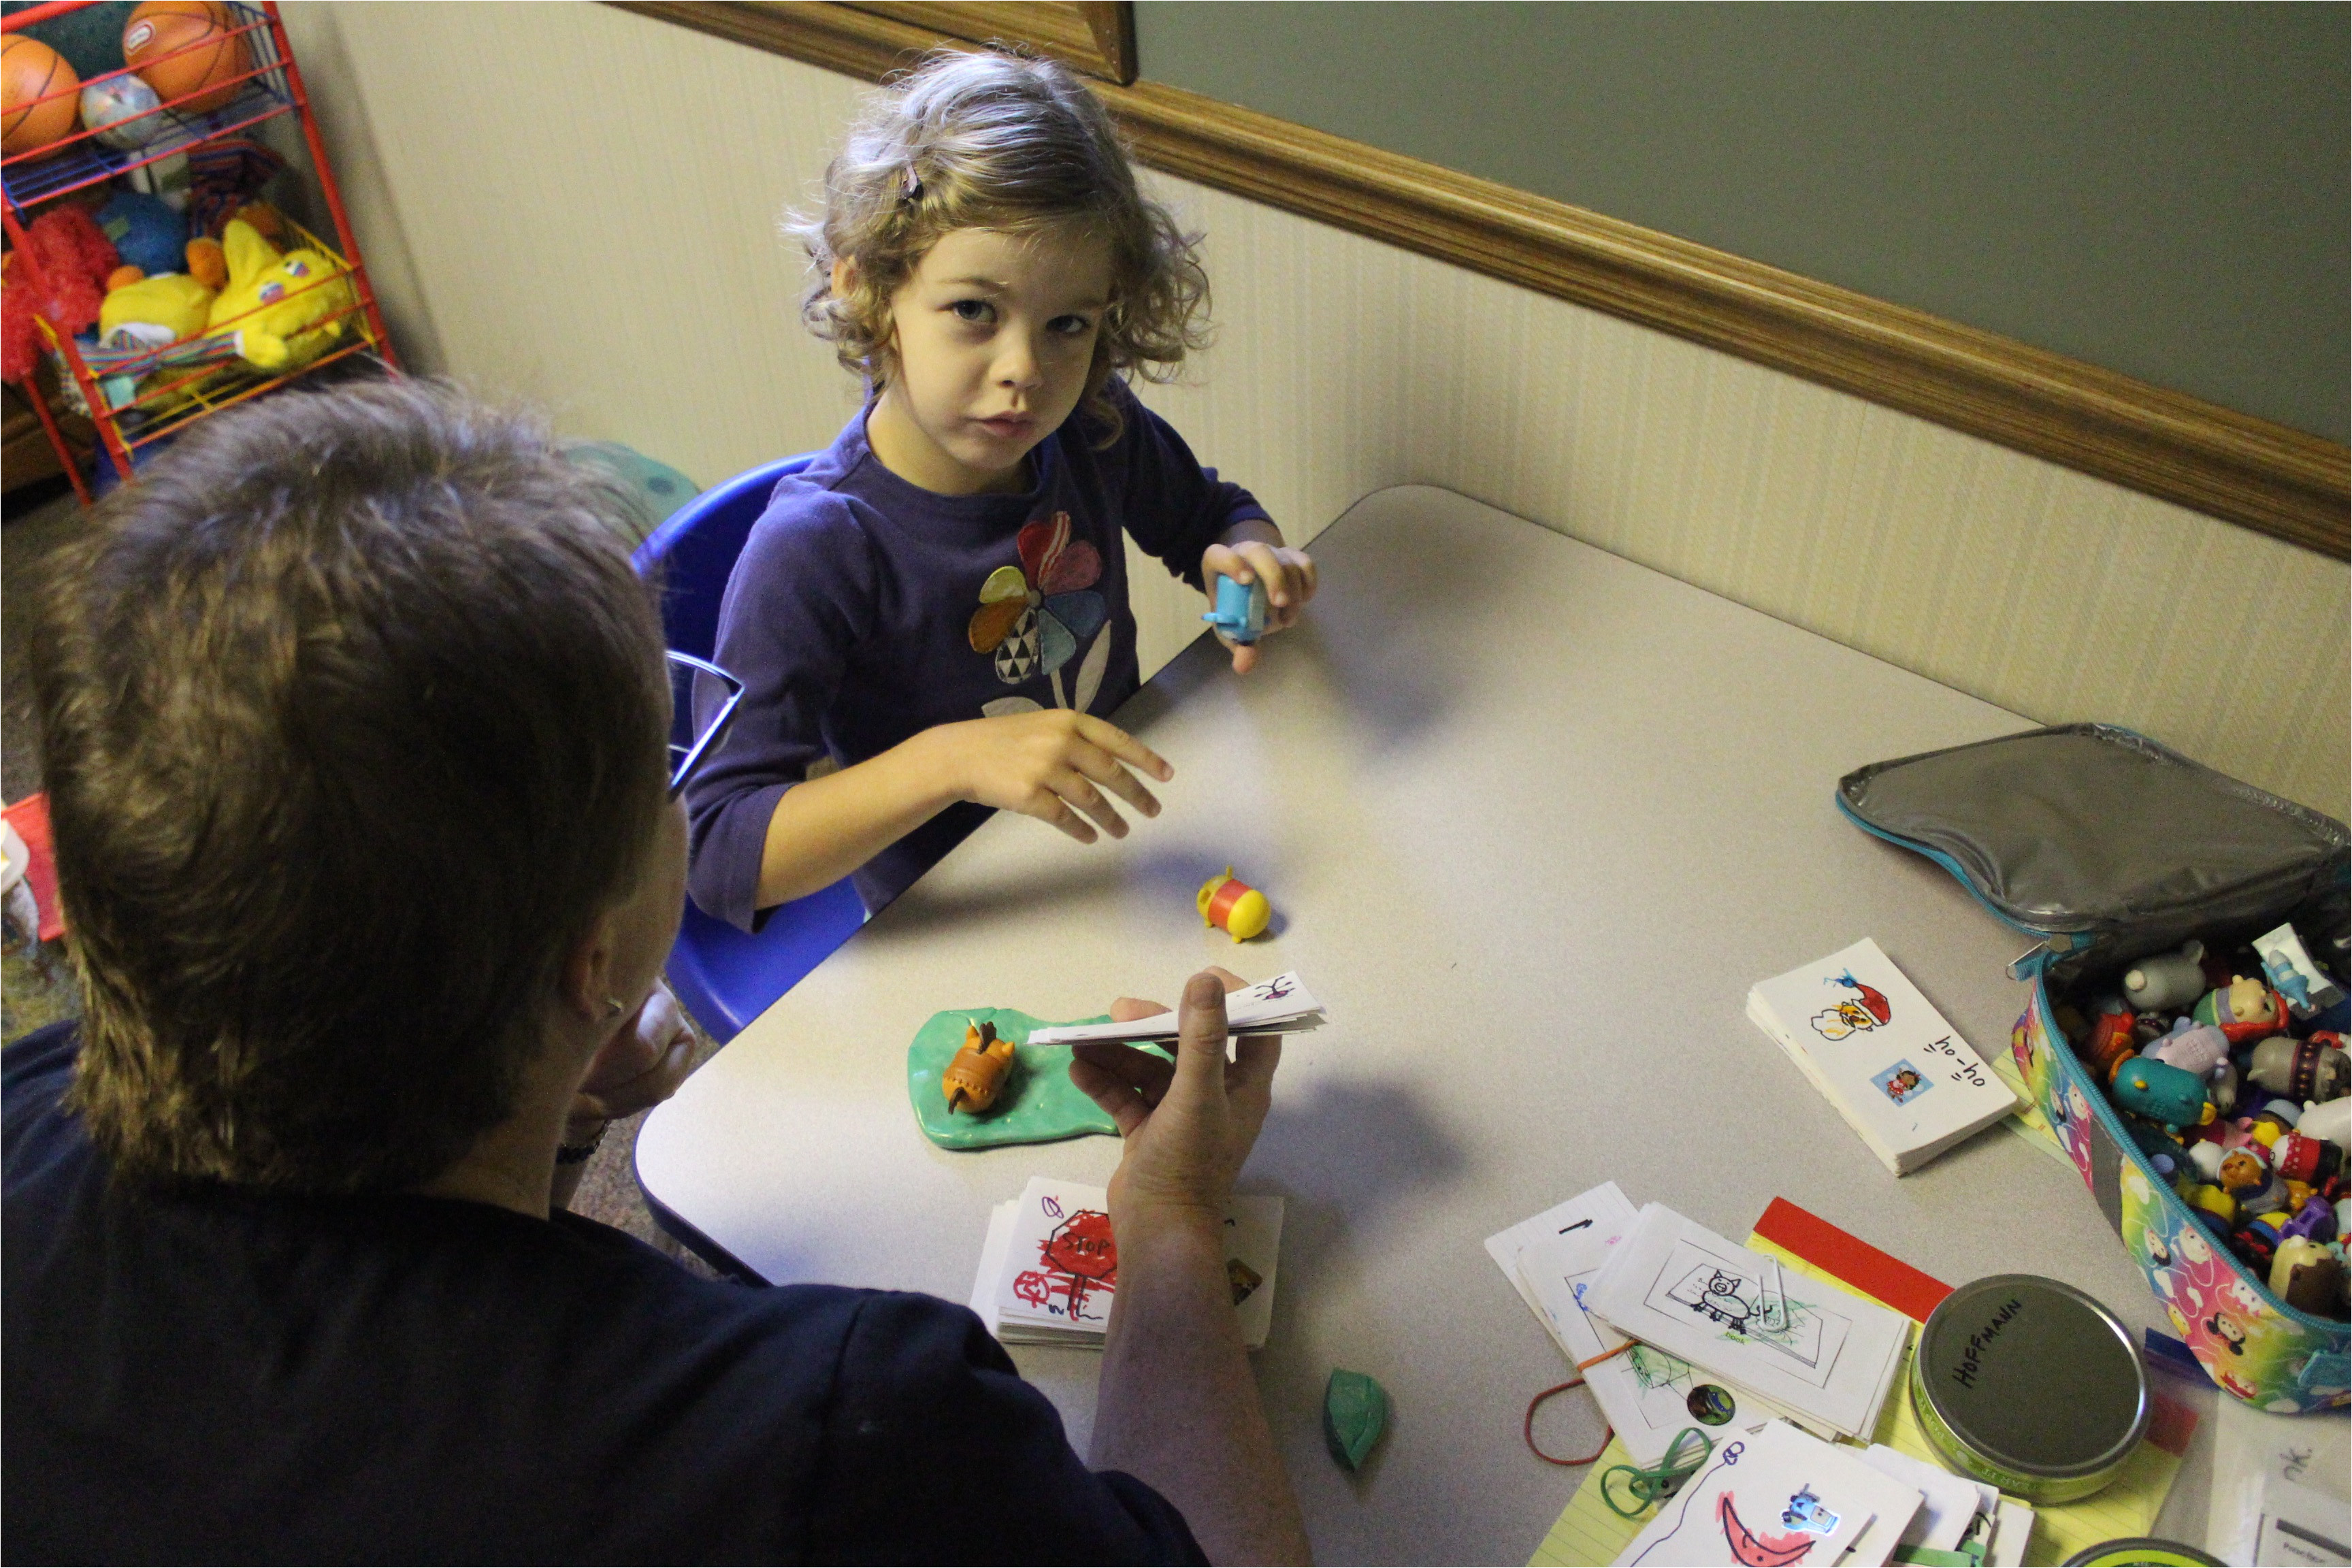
183	46
29	71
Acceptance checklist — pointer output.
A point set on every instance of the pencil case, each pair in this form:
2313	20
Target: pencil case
2107	847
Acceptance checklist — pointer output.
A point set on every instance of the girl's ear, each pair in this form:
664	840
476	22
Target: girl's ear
845	276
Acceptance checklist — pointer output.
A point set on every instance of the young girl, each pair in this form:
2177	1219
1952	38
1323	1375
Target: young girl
928	619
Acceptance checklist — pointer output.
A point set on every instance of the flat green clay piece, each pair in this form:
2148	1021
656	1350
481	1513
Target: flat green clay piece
1039	1104
1355	1414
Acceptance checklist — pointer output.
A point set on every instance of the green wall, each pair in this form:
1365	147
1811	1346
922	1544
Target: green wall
2156	188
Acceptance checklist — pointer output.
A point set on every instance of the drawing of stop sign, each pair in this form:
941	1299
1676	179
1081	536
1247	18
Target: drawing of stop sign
1082	1245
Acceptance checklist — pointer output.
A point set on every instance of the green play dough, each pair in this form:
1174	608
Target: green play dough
1039	1104
1355	1414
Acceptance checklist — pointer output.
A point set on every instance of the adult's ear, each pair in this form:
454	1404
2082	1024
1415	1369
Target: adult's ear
585	986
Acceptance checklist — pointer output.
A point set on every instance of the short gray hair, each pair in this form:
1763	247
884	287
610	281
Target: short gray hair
352	718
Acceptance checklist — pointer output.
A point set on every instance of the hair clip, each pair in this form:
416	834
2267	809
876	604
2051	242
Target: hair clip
914	184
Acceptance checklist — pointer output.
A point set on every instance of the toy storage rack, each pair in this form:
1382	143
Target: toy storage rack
271	86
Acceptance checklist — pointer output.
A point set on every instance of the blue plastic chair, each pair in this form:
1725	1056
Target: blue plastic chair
727	977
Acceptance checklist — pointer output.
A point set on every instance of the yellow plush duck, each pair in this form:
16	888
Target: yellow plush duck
278	305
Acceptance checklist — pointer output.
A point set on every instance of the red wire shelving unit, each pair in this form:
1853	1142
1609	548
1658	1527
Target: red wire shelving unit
271	86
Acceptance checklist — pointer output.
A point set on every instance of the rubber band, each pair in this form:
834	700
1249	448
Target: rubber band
1604	1355
1659	1482
1528	1428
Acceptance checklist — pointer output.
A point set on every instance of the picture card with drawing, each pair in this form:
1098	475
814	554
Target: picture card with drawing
1049	1267
1282	1006
1822	1353
1604	1206
1649	1396
1949	1505
1775	1496
1899	1074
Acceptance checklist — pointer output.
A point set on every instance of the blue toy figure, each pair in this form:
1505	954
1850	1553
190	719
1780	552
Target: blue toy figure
1240	614
2161	1092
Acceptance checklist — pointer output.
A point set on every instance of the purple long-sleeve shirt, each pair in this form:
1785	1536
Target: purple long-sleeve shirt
865	609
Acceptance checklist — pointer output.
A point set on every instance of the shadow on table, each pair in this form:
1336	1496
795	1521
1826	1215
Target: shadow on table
1343	1154
1386	626
1166	877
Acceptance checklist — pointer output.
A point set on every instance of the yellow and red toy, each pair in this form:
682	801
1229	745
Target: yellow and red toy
1229	903
976	1076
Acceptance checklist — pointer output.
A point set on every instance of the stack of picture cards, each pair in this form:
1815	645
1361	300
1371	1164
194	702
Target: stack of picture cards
1827	1357
1049	1269
1649	1396
1896	1071
1778	1496
1282	1006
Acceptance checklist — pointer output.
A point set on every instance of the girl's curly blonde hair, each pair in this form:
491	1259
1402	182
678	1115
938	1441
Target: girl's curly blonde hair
1014	144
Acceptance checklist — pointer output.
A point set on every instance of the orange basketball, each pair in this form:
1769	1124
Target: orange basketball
29	71
181	47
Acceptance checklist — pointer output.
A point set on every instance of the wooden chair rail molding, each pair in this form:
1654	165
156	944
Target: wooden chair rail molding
2250	471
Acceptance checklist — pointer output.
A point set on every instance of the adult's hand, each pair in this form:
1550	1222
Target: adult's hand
641	1065
1189	1124
1176	1405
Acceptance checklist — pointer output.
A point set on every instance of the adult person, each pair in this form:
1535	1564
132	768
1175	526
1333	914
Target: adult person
353	721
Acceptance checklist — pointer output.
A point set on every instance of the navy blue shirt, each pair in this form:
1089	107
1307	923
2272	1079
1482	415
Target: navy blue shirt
214	1376
865	609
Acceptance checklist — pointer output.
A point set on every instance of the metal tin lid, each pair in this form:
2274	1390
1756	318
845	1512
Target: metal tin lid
2035	1376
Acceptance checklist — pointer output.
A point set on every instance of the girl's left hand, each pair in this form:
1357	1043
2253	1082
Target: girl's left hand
1288	575
641	1065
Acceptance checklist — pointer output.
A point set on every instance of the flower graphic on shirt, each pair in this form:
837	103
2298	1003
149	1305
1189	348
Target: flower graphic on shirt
1032	617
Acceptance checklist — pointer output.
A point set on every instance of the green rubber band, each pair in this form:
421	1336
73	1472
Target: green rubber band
1658	1482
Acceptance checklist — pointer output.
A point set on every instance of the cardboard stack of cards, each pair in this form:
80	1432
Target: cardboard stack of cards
1049	1269
1901	1076
1675	1328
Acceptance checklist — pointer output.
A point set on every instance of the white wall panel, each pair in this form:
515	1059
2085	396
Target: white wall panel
579	205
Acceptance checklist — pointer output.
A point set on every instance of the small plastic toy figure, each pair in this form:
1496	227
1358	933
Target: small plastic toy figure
2331	1121
2212	1201
2315	1069
2191	1046
2316	1220
2112	1040
2248	1177
2165	980
2287	965
2308	1278
2243	1009
1240	614
2223	1088
976	1076
2302	1158
1232	904
2162	1093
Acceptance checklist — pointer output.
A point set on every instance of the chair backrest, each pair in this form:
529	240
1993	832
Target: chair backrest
695	552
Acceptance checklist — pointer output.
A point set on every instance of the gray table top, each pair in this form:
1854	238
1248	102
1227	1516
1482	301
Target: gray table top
1532	819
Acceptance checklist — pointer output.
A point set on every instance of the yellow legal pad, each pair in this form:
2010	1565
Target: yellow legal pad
1589	1531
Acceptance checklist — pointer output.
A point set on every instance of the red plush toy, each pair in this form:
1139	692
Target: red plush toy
73	256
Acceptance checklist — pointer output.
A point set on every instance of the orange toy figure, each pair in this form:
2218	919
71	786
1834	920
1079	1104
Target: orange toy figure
2112	1041
976	1077
1228	902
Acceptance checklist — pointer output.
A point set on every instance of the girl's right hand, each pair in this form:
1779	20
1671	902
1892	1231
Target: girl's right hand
1053	765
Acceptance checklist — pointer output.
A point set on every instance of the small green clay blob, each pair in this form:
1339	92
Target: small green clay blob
1039	1104
1355	1414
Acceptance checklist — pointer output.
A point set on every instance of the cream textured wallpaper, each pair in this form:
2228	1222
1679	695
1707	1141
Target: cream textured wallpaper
579	205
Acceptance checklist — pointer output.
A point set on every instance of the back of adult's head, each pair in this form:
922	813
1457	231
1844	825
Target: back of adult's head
353	720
